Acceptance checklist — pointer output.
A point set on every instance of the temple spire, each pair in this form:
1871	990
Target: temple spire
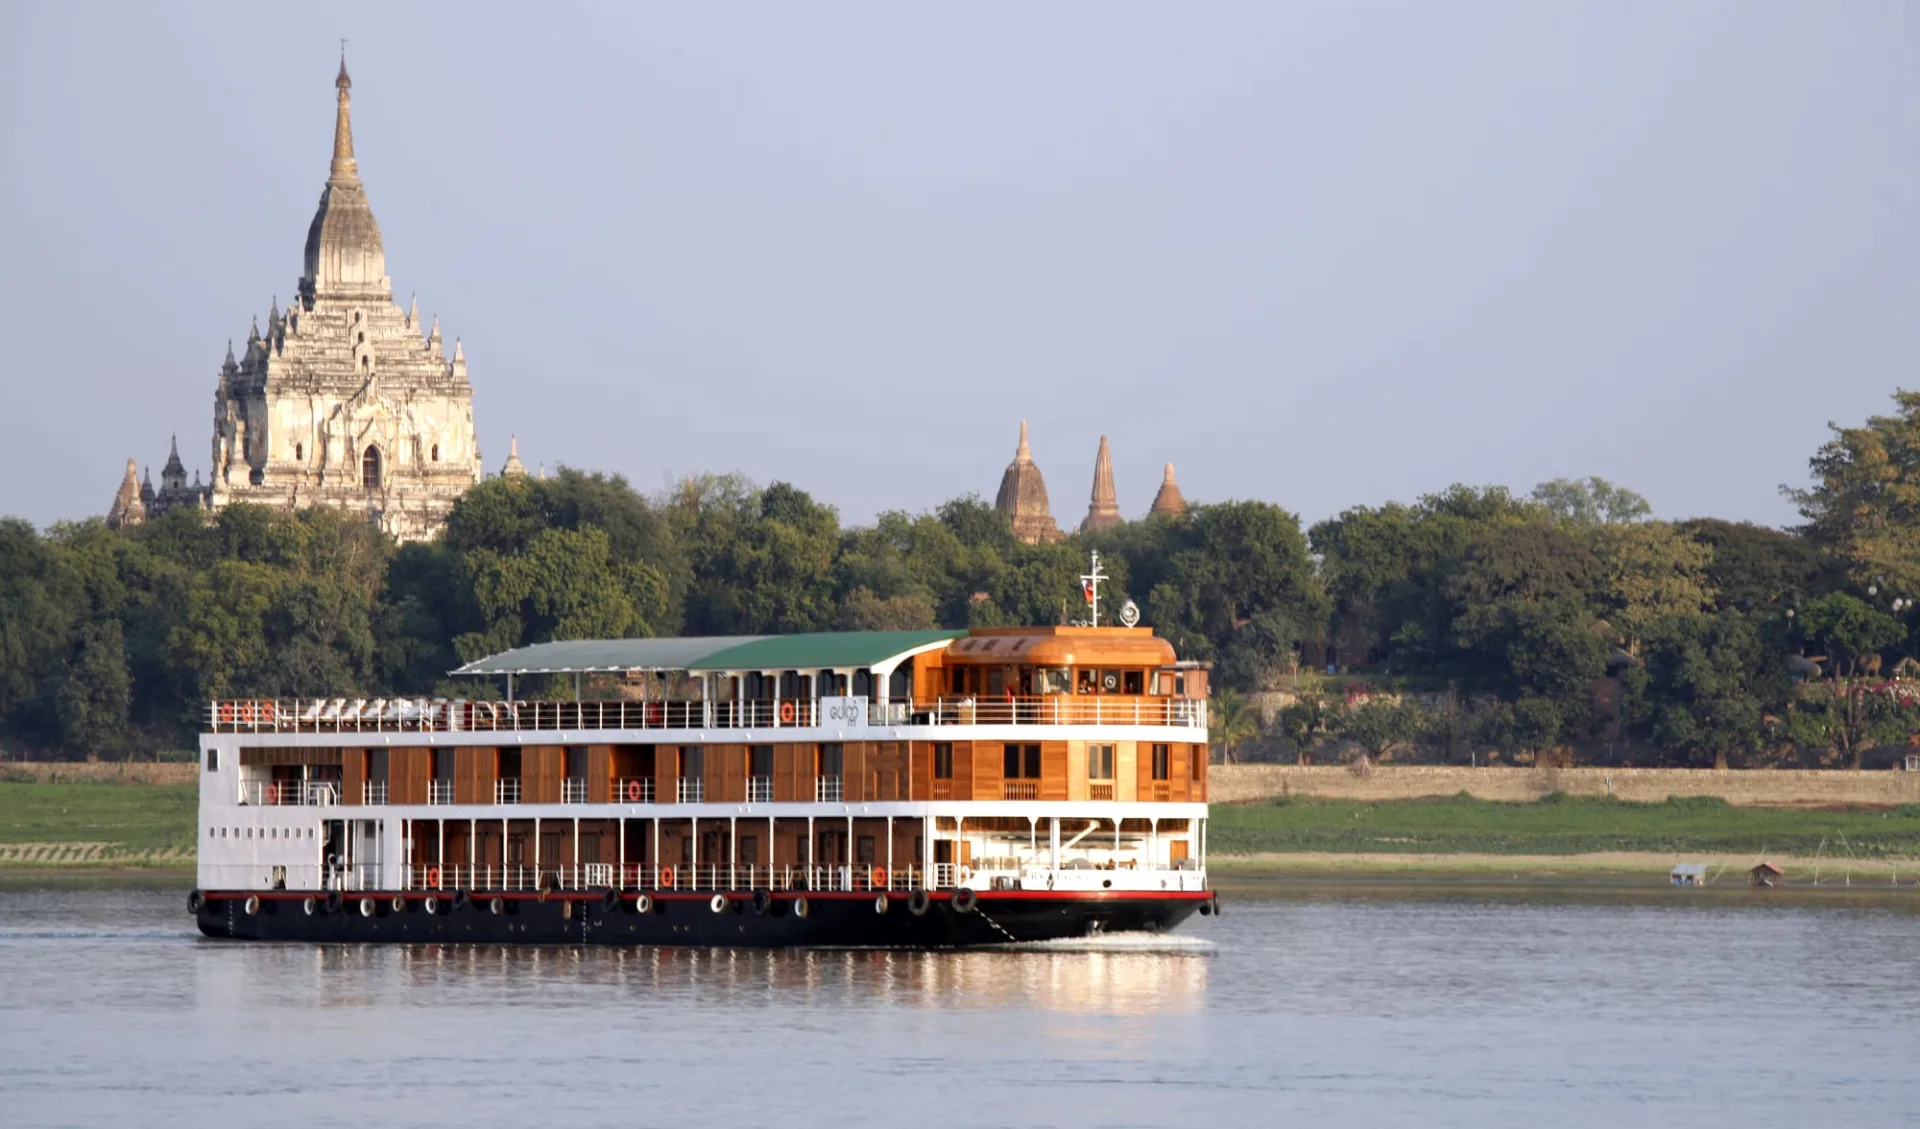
1169	500
1024	452
1103	510
345	170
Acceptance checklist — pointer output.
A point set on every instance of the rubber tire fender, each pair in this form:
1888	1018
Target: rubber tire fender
335	901
196	901
762	902
800	906
964	899
918	902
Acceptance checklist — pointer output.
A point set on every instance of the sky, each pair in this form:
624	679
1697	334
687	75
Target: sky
1320	254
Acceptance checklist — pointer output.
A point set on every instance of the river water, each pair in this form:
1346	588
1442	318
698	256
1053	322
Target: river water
1322	1007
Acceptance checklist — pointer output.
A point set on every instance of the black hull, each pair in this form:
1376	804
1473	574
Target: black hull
825	920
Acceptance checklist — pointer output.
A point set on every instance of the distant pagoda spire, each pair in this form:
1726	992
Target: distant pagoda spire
1023	496
1169	501
1103	511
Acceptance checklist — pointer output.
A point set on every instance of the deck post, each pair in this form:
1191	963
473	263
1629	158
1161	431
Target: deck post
440	852
536	850
889	852
656	851
1053	834
849	852
576	850
620	874
693	832
473	849
733	850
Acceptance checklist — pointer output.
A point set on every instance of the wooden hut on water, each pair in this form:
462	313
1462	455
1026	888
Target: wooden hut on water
1766	874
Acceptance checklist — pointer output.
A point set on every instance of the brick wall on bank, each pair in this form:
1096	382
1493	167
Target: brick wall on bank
1762	787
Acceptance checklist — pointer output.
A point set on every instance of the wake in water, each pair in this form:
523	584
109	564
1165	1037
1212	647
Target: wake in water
1140	942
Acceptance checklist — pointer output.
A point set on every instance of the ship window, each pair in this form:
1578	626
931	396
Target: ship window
863	849
1099	762
692	762
830	760
213	760
1197	762
1162	756
436	452
1022	762
1052	680
943	761
1133	682
760	761
370	468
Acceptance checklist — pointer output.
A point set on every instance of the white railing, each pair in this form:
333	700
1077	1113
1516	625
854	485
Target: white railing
573	790
506	791
759	789
858	878
373	792
396	715
440	791
689	791
633	790
289	793
827	789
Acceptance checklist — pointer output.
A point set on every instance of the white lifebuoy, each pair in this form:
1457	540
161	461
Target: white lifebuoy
253	904
718	903
366	907
800	906
642	904
880	903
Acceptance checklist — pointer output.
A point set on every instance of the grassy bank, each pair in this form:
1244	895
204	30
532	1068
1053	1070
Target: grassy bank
67	824
1559	826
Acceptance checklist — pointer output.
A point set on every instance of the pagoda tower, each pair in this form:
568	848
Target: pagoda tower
1169	502
1023	497
1103	511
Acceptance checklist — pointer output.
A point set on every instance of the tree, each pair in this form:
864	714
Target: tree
1302	720
1647	571
1711	681
1591	501
1852	631
1232	721
1864	503
1752	566
1379	725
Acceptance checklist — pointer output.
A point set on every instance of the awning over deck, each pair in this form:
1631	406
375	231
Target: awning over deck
827	650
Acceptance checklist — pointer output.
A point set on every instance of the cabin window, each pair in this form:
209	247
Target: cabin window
1162	761
1084	684
1196	762
370	468
943	761
830	760
1099	762
863	850
213	760
750	850
693	763
1053	680
1132	681
760	760
1022	762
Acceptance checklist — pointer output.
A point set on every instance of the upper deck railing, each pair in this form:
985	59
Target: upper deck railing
440	715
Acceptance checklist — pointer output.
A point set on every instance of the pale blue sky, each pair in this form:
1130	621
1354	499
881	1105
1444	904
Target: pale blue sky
1321	254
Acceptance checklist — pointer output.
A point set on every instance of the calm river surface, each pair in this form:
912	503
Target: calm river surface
1410	1007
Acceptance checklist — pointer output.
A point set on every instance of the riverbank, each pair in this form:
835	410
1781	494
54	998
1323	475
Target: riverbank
96	825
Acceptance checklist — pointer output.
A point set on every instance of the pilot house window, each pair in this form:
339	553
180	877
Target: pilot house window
370	468
1022	762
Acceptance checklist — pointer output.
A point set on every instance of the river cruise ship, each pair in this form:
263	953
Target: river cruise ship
897	788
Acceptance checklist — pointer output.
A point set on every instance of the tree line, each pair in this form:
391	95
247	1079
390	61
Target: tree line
1474	622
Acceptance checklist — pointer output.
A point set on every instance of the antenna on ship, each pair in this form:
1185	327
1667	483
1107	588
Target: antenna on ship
1090	588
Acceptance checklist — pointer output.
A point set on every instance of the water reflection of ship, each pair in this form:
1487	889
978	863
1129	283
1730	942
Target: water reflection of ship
1119	976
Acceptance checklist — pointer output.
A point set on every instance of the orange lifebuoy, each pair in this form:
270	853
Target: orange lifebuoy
226	711
270	795
786	713
666	877
433	877
267	713
633	791
878	877
246	711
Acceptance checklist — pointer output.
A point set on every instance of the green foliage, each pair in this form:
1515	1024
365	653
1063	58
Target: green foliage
1591	501
1571	825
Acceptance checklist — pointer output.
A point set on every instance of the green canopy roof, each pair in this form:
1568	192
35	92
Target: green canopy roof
813	651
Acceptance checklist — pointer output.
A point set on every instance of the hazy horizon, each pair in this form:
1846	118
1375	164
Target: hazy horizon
1324	256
